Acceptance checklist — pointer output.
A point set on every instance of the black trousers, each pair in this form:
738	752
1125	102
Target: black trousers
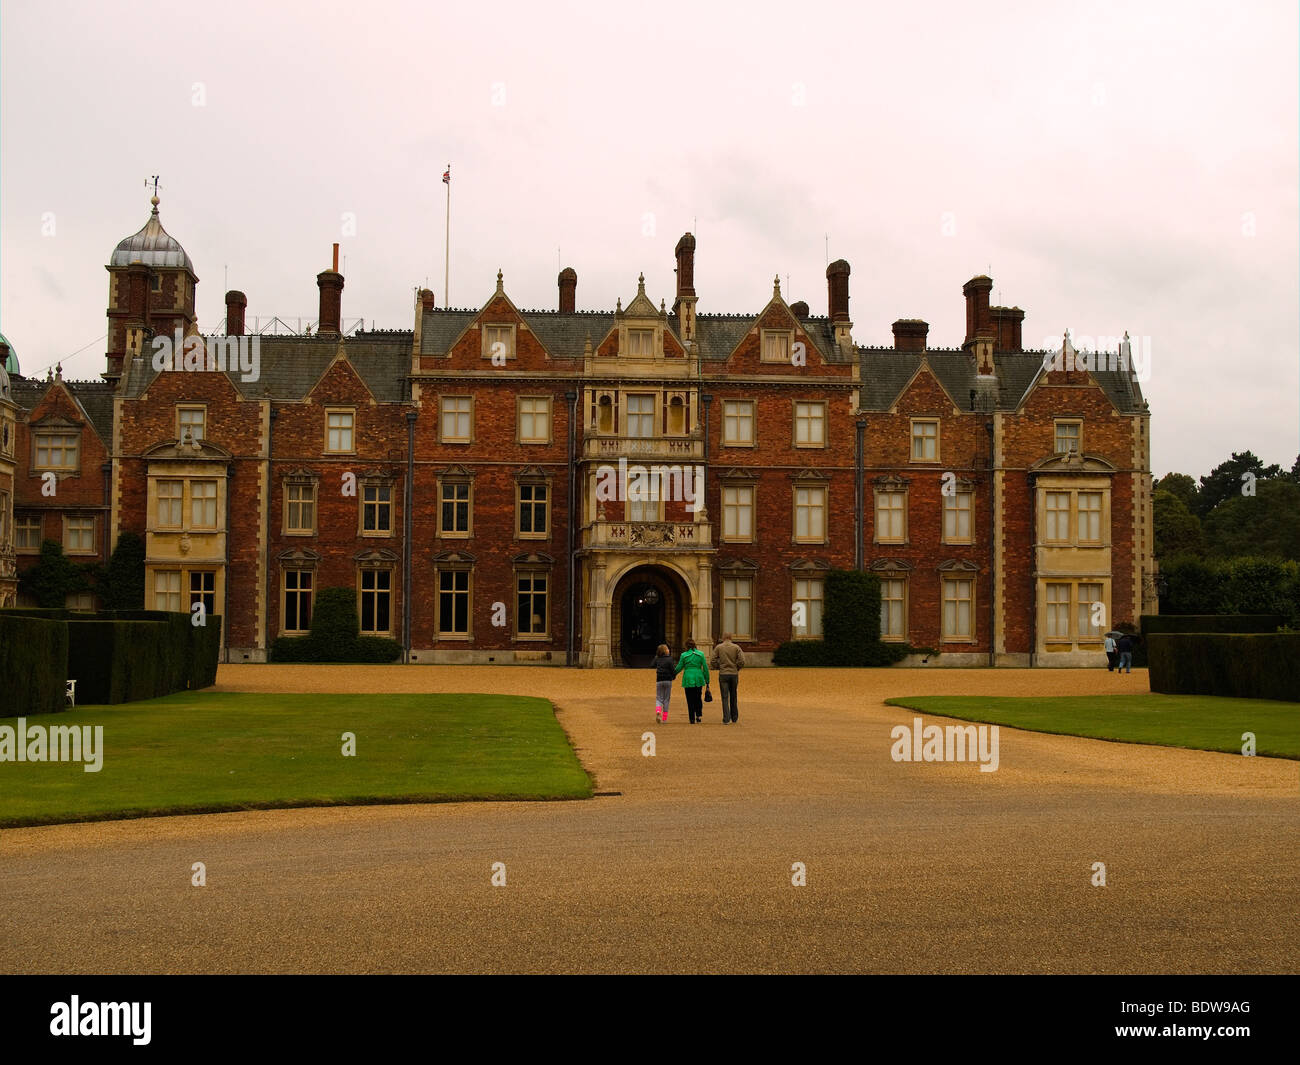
694	703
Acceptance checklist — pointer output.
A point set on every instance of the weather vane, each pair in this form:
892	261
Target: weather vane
154	181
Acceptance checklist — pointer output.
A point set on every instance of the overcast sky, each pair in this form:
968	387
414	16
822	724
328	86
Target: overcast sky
1126	166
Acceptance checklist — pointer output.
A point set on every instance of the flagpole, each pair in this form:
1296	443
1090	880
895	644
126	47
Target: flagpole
446	266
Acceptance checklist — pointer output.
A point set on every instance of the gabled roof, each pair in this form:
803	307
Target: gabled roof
290	366
95	398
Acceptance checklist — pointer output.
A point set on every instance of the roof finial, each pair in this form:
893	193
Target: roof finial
640	285
776	287
154	198
500	286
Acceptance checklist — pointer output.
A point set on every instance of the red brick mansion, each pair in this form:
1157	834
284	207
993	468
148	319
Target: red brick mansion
565	486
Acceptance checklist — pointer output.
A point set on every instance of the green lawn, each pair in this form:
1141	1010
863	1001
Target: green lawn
196	752
1201	722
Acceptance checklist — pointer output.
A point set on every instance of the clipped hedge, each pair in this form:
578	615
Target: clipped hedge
1244	665
34	665
1154	623
204	654
121	655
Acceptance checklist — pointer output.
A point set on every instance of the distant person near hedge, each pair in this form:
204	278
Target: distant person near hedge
665	672
1125	654
695	676
727	661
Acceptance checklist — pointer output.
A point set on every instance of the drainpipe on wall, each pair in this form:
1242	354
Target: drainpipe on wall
270	492
572	578
225	582
993	554
703	493
107	470
1033	572
408	519
859	457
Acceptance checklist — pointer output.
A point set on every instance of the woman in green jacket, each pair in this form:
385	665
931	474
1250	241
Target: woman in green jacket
694	668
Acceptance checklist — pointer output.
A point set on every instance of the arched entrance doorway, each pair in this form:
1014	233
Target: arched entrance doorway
649	608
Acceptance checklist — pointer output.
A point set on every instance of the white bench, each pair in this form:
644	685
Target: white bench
71	693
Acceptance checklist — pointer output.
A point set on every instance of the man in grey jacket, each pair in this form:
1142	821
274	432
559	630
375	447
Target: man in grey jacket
727	662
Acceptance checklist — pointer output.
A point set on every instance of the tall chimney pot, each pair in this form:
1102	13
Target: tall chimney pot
837	283
330	283
236	302
978	321
568	281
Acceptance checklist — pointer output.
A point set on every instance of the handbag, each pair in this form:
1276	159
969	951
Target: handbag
708	694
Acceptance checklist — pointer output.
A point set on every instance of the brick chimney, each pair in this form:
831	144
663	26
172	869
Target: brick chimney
1008	322
981	334
330	283
684	304
426	300
910	334
685	252
568	281
978	322
800	310
236	302
837	284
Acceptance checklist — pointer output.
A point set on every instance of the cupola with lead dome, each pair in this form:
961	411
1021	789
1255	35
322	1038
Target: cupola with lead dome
150	290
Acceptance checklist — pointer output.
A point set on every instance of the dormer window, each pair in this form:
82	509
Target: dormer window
640	342
155	282
502	335
776	346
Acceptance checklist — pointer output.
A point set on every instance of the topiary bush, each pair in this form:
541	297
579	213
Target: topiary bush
335	635
850	628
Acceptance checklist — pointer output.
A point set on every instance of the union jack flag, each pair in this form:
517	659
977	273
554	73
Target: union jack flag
446	176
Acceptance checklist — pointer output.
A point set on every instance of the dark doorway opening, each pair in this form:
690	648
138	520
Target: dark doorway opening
642	629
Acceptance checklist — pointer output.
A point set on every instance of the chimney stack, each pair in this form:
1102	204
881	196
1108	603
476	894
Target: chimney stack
236	302
800	310
1008	323
837	283
684	303
978	322
330	283
685	251
910	334
426	300
568	290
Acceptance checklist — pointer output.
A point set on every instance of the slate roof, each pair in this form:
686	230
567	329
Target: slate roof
565	334
290	366
885	373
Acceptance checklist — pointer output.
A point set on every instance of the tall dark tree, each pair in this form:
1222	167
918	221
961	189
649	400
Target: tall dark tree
1181	485
1265	525
122	586
1228	479
1177	530
55	577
